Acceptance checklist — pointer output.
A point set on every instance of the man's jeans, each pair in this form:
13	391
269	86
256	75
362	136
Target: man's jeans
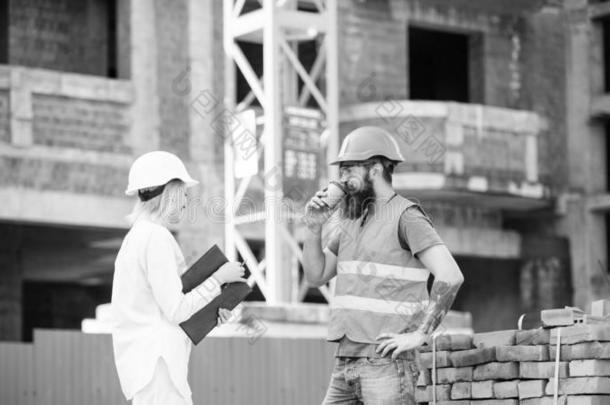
373	381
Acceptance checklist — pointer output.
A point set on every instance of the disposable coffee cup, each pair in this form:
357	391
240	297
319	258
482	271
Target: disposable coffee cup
335	194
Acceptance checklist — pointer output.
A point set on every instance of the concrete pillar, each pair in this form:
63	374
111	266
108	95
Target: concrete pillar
11	276
200	85
476	72
584	228
497	47
123	39
578	97
143	65
574	227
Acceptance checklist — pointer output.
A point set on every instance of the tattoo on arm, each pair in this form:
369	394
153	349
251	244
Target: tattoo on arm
442	296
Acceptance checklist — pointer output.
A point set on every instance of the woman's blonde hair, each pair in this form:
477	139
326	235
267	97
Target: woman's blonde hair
168	207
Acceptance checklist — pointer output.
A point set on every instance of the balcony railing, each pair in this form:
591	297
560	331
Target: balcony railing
456	150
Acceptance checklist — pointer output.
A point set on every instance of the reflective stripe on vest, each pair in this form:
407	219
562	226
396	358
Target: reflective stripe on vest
380	287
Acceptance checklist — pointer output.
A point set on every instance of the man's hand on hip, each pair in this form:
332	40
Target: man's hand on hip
399	342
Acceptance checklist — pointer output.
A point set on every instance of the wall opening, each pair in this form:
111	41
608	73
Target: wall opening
53	276
496	311
63	35
438	65
3	31
112	68
60	305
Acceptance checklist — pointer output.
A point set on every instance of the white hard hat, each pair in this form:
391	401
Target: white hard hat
156	169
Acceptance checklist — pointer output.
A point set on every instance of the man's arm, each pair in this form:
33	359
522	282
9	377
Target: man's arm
319	265
447	281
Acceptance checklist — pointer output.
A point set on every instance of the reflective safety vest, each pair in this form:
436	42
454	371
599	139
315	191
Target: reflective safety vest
380	287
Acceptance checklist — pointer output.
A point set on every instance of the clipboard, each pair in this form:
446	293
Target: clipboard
203	321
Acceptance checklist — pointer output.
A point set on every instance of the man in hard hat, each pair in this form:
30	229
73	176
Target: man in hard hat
382	256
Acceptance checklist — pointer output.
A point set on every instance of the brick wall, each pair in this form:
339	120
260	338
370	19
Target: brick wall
496	55
544	90
77	123
65	35
372	52
374	43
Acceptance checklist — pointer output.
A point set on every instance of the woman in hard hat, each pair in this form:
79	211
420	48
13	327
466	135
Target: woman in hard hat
151	351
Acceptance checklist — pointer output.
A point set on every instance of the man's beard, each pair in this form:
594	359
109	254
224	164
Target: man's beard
358	201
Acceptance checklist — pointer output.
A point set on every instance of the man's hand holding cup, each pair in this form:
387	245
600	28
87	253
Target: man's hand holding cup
322	204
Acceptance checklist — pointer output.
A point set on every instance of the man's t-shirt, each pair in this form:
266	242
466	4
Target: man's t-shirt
416	234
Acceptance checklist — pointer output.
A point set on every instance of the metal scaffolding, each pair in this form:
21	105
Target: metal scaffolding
279	25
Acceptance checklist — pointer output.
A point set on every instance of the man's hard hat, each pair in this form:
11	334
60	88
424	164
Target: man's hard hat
156	169
365	142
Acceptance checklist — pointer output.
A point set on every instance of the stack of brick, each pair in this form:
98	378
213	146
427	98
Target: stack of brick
518	367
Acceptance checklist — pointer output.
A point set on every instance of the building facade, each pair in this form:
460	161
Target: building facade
499	107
